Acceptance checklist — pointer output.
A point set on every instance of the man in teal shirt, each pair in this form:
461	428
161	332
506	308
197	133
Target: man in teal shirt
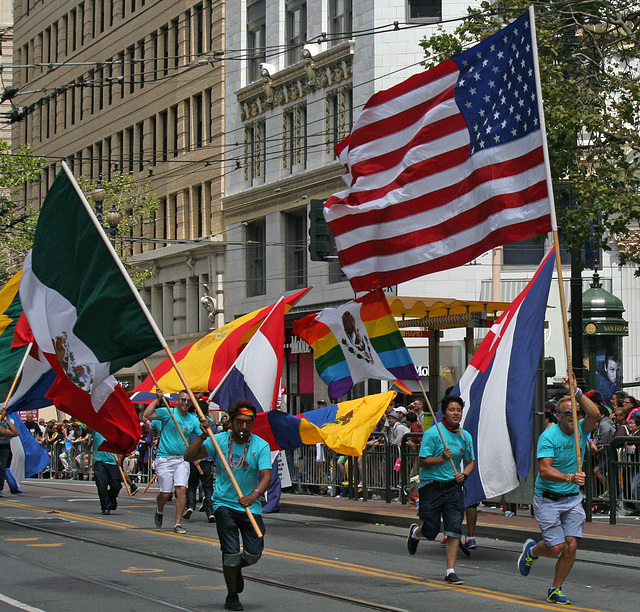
7	431
250	461
557	501
441	485
106	474
172	470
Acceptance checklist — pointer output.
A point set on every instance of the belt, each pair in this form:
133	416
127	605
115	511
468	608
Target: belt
172	457
443	484
557	496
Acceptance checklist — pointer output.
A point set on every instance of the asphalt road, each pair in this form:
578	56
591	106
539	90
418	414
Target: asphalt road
59	553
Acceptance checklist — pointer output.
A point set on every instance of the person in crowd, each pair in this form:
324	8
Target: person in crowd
557	500
415	426
602	436
7	431
633	454
106	474
33	427
250	461
402	414
396	430
172	470
630	404
550	414
418	407
83	444
471	514
620	422
441	480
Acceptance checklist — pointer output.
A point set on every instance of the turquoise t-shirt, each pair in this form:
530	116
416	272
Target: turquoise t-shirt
98	455
553	442
6	440
171	443
248	475
461	448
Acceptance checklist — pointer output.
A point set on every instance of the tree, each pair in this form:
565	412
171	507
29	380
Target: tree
589	55
16	218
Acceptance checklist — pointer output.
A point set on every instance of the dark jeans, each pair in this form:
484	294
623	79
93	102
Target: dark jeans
446	503
5	462
109	483
230	524
207	479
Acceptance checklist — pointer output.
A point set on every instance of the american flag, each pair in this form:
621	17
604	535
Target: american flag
444	166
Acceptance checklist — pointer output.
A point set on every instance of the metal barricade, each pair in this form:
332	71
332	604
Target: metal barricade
378	475
409	468
624	475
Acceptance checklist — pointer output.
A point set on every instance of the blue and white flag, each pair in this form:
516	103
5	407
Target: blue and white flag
256	373
28	457
498	388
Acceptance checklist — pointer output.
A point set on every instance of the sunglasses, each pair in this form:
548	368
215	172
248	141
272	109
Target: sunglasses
566	412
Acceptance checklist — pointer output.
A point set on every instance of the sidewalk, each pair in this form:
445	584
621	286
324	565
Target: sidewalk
600	536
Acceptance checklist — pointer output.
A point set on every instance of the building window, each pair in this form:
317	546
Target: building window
256	32
425	10
256	258
340	19
294	138
339	117
254	151
198	121
523	253
296	29
295	235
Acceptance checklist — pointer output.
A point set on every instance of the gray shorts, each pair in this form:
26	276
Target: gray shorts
559	519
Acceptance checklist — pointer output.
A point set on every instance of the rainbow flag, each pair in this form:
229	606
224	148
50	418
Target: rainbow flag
343	427
205	362
400	387
10	311
356	341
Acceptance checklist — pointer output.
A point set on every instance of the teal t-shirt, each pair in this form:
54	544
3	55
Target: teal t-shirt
248	475
553	442
5	426
171	443
99	455
461	448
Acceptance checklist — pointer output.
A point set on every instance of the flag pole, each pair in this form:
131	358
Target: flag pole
391	318
17	377
159	335
166	405
150	483
126	484
556	239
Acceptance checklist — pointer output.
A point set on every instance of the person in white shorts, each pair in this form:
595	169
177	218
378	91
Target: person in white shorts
171	468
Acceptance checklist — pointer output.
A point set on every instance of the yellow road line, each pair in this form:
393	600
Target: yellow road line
342	565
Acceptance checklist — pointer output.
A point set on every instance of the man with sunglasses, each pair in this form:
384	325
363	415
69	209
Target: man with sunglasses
171	468
557	500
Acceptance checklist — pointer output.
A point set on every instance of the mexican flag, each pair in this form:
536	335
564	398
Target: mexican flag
85	315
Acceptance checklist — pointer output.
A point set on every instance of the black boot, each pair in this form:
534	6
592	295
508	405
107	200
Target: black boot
231	579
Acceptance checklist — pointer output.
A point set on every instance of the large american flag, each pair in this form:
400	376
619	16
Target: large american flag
444	166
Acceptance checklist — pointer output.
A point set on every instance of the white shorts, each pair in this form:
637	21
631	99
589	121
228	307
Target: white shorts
172	472
559	519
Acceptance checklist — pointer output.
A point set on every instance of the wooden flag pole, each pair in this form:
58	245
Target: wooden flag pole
436	424
166	405
150	483
219	452
124	478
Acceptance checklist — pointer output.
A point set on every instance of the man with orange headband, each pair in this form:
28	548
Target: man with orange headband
250	461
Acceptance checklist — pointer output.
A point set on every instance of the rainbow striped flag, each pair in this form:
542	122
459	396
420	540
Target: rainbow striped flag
356	341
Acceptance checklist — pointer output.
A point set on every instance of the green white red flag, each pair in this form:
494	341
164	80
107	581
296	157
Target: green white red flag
86	317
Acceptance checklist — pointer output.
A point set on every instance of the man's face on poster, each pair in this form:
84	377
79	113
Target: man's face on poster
611	370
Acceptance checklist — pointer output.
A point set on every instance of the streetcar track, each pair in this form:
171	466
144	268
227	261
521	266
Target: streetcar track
265	581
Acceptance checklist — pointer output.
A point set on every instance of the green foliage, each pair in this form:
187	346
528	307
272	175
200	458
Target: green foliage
17	221
589	54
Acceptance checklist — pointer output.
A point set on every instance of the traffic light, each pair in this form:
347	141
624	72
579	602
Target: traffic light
321	242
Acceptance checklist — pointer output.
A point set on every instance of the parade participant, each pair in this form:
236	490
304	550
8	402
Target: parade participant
107	475
7	431
172	470
250	461
440	485
557	501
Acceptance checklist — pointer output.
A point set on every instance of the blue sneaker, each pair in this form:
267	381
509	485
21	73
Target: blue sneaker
526	559
556	596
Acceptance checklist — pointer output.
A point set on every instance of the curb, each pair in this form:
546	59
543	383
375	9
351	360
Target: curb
603	544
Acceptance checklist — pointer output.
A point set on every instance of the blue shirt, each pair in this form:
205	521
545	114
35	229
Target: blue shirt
99	455
6	440
171	442
553	442
461	448
248	475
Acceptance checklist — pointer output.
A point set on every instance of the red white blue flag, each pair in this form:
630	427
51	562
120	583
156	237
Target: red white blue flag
498	388
444	166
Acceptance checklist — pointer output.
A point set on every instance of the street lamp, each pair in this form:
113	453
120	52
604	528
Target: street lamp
98	195
113	218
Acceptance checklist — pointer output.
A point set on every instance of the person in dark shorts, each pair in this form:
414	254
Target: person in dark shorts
441	495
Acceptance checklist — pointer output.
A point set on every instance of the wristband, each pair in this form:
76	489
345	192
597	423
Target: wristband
258	492
578	392
465	475
569	478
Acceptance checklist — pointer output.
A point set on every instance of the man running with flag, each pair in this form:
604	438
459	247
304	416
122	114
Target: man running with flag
441	485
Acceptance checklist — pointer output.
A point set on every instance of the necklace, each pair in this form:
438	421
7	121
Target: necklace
236	463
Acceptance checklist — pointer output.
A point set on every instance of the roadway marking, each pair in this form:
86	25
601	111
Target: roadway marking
22	539
168	578
46	545
351	567
142	570
206	588
18	604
